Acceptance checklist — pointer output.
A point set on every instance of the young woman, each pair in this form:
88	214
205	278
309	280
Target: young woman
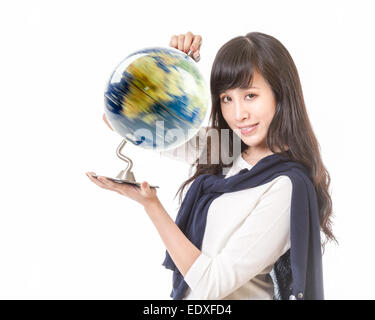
249	229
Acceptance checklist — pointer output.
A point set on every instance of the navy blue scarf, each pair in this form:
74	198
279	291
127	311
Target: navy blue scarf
299	271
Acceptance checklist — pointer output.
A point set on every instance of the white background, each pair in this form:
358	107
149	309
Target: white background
61	236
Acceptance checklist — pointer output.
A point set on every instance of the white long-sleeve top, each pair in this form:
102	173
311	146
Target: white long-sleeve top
246	232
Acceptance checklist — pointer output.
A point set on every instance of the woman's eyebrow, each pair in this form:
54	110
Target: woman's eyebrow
248	88
251	88
225	92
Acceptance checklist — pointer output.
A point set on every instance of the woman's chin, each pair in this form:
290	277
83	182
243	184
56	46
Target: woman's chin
254	142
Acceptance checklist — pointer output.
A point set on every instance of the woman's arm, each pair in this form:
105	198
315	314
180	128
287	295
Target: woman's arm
182	251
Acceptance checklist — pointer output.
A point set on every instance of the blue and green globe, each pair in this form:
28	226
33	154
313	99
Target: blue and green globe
156	98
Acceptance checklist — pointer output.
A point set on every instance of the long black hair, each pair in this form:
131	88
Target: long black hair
290	132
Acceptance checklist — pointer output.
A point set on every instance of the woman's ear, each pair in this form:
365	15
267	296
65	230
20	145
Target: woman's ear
106	121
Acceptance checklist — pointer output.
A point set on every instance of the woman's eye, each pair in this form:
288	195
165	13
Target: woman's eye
251	94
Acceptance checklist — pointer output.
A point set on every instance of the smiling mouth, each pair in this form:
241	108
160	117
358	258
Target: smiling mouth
248	130
249	126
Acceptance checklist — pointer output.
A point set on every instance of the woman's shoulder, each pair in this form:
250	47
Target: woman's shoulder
280	187
282	181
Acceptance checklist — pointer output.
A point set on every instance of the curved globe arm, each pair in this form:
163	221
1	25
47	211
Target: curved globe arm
125	174
121	156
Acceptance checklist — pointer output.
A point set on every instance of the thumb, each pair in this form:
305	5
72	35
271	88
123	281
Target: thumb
145	186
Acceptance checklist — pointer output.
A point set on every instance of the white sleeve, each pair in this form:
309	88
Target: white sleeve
263	237
190	150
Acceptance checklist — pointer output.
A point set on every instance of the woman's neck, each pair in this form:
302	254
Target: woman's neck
252	155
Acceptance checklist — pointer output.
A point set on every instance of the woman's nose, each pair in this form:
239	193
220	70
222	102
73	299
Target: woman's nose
240	112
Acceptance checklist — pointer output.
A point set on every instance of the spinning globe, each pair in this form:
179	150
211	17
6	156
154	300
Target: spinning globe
156	98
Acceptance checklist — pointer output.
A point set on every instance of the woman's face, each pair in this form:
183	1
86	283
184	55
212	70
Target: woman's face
242	108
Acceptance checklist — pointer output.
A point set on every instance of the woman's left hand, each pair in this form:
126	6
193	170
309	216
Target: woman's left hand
143	195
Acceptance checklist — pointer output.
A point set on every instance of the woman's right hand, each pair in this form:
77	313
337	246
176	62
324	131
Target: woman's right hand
187	42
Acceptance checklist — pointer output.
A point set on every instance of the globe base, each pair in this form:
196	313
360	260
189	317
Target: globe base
138	184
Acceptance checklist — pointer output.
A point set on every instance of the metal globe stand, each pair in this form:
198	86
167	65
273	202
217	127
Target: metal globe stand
126	175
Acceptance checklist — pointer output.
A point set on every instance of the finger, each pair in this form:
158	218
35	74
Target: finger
96	181
106	121
181	39
196	56
197	42
108	183
145	186
187	42
120	188
174	41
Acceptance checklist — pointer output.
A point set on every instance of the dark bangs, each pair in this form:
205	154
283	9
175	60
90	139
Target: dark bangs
233	66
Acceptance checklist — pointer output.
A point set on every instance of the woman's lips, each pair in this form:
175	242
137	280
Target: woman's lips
249	130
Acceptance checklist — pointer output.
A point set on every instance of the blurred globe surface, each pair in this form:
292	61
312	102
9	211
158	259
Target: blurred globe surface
156	98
